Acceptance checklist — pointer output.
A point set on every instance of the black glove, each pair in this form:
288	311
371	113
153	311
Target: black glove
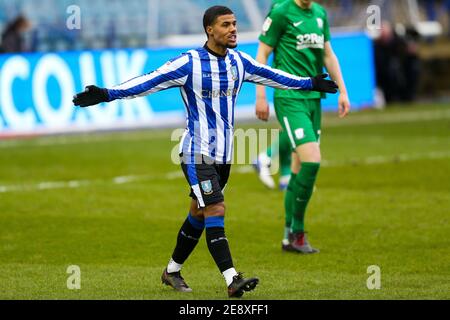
90	96
320	84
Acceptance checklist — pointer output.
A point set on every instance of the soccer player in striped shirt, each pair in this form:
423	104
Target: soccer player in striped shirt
210	79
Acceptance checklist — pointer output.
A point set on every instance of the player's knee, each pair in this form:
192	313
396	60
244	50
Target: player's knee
309	152
316	158
195	211
295	163
216	209
313	156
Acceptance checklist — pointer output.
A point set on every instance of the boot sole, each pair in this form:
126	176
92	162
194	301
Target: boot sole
167	283
249	285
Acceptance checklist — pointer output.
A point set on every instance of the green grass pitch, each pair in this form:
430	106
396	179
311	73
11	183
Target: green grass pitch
382	198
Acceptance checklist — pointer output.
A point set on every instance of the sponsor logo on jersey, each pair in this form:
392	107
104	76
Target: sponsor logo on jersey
320	23
310	40
207	187
297	24
219	93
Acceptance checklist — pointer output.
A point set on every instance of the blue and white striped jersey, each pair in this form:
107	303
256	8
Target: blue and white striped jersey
209	86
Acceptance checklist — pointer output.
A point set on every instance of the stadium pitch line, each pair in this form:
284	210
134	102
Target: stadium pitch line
50	185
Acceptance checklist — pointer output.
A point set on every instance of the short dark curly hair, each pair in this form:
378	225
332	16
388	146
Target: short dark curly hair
212	13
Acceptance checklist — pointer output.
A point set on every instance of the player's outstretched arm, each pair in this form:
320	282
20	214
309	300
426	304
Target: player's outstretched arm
262	74
172	74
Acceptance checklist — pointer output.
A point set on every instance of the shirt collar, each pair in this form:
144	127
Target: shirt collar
214	53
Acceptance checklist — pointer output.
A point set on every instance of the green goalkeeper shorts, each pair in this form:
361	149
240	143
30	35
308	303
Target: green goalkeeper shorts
300	118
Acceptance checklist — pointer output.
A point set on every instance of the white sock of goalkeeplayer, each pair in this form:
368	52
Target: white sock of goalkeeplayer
173	266
228	275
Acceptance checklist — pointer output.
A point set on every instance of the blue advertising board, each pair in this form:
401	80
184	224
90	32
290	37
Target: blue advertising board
36	90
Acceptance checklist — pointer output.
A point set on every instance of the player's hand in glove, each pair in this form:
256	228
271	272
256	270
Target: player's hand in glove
320	84
90	96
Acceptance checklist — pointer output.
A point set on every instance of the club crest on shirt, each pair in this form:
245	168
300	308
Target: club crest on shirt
320	23
207	187
266	25
234	73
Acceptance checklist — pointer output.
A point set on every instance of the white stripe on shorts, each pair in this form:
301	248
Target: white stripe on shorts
198	194
288	129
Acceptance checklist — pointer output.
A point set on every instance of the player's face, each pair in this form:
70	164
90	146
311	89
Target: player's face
224	31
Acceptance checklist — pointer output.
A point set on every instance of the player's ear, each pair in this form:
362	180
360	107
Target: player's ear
209	30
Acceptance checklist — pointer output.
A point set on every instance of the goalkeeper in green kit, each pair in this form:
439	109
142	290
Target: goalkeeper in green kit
297	32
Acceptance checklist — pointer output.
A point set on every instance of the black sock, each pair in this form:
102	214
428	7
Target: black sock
218	247
187	239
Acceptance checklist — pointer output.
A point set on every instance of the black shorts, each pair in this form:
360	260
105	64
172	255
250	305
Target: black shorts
206	178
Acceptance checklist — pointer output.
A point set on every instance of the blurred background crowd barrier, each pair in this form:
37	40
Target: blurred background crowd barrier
404	58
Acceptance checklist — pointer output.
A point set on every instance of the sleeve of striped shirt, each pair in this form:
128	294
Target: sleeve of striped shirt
172	74
261	74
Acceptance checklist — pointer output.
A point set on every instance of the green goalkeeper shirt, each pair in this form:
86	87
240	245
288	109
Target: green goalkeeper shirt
298	37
